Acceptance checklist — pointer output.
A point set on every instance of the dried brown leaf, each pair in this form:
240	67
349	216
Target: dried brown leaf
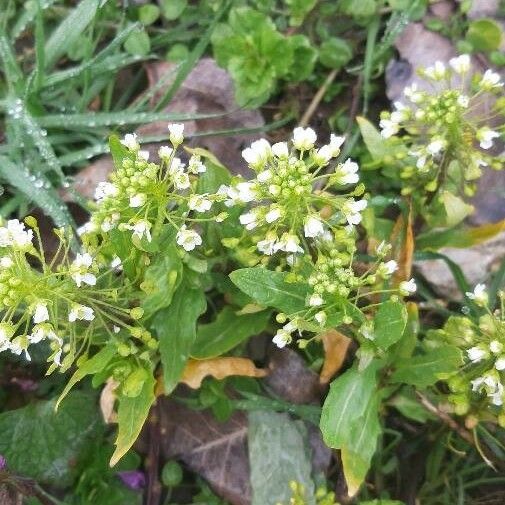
107	399
335	346
220	368
402	238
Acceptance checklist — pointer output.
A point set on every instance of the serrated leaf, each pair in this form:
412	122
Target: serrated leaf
227	331
176	330
389	324
278	454
346	403
43	444
423	371
271	289
131	416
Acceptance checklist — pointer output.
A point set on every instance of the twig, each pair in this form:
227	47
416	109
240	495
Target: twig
152	460
316	100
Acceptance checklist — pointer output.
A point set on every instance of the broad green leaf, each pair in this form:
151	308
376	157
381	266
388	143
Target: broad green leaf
43	444
406	345
278	454
172	9
69	30
455	208
131	415
176	330
360	447
484	35
226	332
161	279
424	370
346	403
406	403
91	366
389	324
271	289
335	52
305	57
138	43
375	143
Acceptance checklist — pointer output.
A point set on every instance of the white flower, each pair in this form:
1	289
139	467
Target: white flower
479	294
490	80
116	329
413	94
316	300
383	248
116	263
267	246
495	346
436	72
176	131
323	155
351	210
6	332
401	112
181	180
78	270
313	227
143	155
281	338
164	152
407	287
388	268
15	234
388	128
81	312
130	141
195	165
347	173
246	192
176	166
41	313
500	363
321	317
137	200
88	227
249	220
304	138
335	144
258	153
140	229
435	146
460	64
264	176
188	239
463	101
41	332
476	354
200	203
289	243
105	190
273	214
486	136
6	262
280	149
20	344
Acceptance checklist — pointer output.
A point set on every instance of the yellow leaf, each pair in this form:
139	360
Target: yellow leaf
220	368
335	349
107	399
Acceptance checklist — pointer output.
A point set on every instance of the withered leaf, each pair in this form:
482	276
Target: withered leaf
215	450
335	345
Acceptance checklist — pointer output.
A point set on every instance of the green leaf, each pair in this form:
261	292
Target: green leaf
423	371
131	415
484	35
172	9
358	452
161	279
69	30
278	454
226	332
48	199
375	143
389	324
304	58
406	403
91	366
148	14
346	403
271	289
455	208
43	444
335	53
176	330
138	43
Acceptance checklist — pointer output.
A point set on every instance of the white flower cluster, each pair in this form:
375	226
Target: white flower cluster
14	234
443	124
138	189
290	189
